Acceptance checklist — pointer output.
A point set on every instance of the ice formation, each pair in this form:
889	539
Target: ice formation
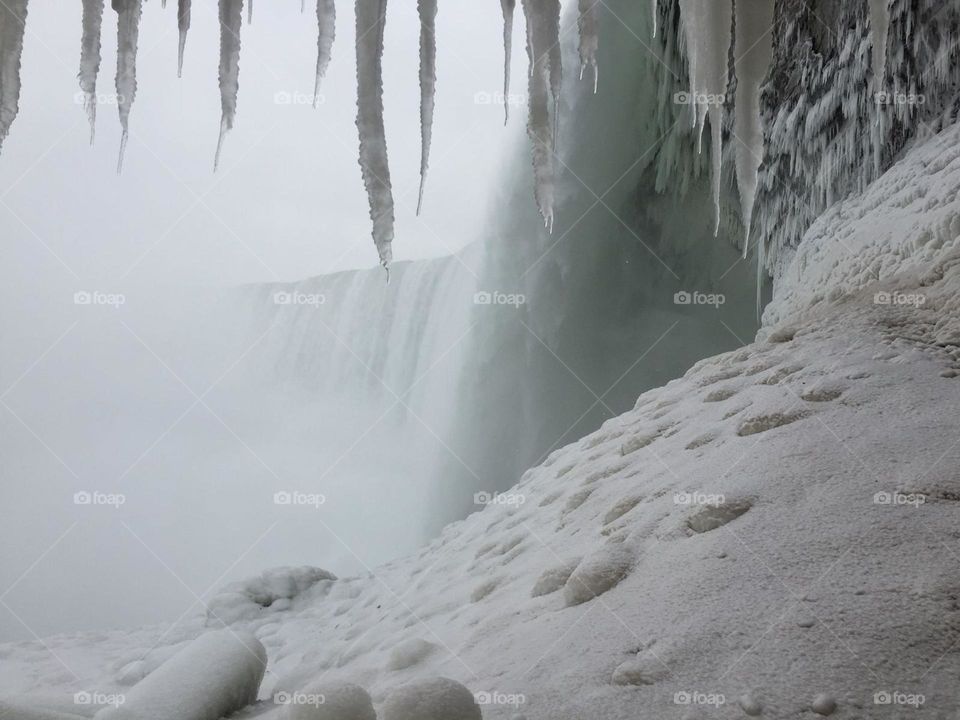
183	25
589	42
754	53
90	59
231	19
508	7
371	18
13	20
431	699
249	11
326	32
332	701
879	29
427	9
128	31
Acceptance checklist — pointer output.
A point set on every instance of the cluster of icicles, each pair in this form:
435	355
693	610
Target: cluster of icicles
710	28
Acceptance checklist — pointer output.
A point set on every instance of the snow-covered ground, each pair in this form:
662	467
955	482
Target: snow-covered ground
774	534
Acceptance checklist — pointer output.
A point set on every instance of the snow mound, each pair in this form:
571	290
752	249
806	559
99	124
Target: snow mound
330	701
215	675
554	578
598	573
248	599
433	699
409	653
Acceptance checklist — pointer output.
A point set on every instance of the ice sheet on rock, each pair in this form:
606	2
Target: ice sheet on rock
326	32
753	51
215	675
90	59
374	165
427	9
128	32
589	42
508	7
183	25
13	19
231	19
539	127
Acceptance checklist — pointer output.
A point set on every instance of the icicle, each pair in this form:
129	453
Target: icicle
507	6
128	31
13	20
552	19
326	32
231	19
90	59
370	19
303	6
587	26
879	28
427	10
249	11
690	19
754	53
538	117
183	24
653	5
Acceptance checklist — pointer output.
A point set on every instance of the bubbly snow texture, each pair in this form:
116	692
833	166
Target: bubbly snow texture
326	32
128	32
539	127
90	59
371	19
216	674
433	699
183	25
589	42
879	29
427	10
753	53
13	20
507	6
231	20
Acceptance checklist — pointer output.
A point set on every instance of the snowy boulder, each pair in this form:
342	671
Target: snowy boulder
409	653
639	671
274	589
433	699
552	579
215	675
15	710
329	701
597	573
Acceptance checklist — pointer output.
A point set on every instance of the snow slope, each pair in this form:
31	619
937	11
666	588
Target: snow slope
774	534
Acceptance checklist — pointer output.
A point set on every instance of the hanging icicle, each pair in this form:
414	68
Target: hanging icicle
183	25
326	32
249	11
753	51
507	6
13	20
231	19
128	32
427	10
879	29
90	59
539	128
589	42
551	9
654	18
374	166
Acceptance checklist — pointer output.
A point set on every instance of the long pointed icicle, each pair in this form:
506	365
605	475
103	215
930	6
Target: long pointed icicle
128	33
690	19
326	32
183	25
879	29
427	10
718	38
538	116
589	42
552	19
231	20
249	11
507	6
374	166
90	59
754	54
13	20
653	7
